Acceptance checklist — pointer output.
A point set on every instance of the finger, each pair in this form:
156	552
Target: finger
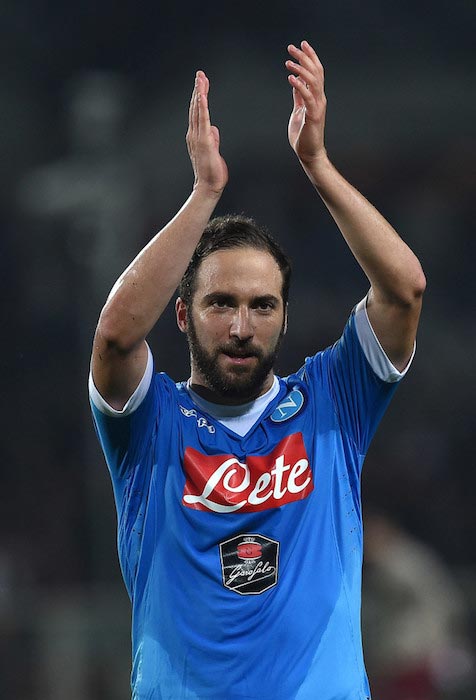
305	55
202	104
302	58
307	59
193	110
203	77
216	135
298	100
308	77
309	51
303	95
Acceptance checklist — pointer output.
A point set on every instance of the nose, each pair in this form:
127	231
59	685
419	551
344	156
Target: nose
241	326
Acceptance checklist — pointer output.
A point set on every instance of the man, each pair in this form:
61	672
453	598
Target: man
240	534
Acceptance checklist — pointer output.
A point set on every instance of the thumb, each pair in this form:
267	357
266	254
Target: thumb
216	135
298	100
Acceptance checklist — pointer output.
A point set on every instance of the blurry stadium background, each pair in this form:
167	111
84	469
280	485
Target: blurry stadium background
93	110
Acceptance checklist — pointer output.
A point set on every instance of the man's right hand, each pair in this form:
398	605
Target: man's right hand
203	141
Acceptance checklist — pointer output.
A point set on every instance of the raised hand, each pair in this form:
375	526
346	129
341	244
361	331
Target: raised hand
203	141
307	120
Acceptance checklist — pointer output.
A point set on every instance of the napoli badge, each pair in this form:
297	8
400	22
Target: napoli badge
289	407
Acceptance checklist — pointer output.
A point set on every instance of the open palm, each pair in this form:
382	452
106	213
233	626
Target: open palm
307	120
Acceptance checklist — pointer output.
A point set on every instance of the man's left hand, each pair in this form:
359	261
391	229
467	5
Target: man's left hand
306	124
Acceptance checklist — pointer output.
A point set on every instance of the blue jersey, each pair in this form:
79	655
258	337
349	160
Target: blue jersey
242	555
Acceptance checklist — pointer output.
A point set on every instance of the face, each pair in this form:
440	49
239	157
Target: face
235	324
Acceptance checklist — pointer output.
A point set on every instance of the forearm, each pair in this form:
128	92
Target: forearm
142	292
396	278
392	268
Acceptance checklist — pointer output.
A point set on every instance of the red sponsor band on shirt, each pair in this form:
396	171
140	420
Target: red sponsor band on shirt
223	484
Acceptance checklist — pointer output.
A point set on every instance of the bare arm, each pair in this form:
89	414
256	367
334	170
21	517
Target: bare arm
142	292
395	275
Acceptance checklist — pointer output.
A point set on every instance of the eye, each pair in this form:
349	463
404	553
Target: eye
264	305
221	303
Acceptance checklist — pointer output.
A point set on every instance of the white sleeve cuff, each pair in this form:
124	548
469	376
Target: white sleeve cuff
135	400
373	351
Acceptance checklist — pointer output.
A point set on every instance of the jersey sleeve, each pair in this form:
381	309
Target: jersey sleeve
125	435
359	377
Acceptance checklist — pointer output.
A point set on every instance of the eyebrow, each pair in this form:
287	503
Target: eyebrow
226	296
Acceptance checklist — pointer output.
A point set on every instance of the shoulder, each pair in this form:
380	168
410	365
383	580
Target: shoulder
357	350
153	385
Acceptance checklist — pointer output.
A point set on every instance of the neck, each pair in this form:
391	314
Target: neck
200	386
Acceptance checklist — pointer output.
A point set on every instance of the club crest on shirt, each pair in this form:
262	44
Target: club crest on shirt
249	563
289	406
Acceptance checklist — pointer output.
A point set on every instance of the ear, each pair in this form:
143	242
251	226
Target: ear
181	314
285	322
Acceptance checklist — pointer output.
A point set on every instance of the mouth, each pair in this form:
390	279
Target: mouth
236	358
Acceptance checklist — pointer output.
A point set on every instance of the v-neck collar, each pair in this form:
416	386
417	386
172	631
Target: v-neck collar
219	412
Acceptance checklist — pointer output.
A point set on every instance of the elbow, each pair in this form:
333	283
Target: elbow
406	291
420	284
412	296
412	285
420	281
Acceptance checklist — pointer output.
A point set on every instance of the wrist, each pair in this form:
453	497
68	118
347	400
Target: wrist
318	167
206	191
315	162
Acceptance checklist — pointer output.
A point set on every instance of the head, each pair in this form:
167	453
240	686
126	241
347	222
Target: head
232	306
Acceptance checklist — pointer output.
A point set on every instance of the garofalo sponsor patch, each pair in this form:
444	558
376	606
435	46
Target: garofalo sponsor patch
249	563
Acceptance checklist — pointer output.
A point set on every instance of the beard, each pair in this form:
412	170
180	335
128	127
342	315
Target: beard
238	383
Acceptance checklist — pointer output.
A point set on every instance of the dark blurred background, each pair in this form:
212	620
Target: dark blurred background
93	110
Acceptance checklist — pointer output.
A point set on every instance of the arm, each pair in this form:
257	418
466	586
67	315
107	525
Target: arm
142	292
395	275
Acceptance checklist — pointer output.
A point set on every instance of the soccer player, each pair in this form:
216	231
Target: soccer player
238	498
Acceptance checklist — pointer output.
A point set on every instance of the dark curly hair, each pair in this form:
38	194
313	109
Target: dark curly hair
233	231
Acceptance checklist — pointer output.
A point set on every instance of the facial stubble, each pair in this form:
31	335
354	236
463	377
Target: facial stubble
240	382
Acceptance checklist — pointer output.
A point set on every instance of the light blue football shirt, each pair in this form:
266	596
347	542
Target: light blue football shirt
242	554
